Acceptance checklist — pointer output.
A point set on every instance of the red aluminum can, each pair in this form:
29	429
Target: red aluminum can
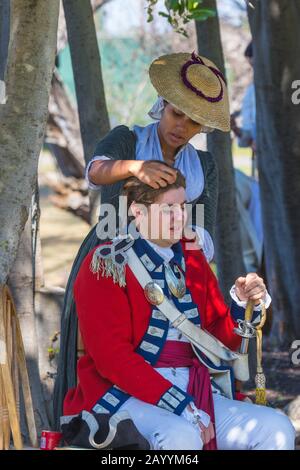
50	440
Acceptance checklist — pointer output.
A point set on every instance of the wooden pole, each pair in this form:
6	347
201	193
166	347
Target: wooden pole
13	365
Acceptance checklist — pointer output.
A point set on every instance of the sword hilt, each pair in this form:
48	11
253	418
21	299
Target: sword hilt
249	311
245	328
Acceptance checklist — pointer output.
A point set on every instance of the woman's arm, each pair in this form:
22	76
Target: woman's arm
110	171
118	146
152	173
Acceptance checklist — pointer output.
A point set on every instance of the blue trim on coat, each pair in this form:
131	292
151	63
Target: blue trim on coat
152	343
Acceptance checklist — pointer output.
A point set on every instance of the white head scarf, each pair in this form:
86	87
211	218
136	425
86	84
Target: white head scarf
157	110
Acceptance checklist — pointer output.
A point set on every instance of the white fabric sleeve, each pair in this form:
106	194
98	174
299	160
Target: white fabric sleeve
91	185
205	242
242	303
195	416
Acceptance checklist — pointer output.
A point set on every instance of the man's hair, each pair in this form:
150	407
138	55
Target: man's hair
142	193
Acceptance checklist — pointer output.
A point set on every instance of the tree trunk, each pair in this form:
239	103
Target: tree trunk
22	282
276	36
63	131
228	243
23	118
86	62
4	35
22	123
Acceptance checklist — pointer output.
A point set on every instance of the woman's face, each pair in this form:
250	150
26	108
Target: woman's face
177	128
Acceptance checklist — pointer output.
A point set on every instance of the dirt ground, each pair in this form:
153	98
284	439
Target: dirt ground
282	378
282	384
61	236
61	232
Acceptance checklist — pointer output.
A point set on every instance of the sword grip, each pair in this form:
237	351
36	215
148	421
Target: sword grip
249	310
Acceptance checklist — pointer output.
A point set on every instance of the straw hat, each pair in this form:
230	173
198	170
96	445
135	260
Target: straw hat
195	86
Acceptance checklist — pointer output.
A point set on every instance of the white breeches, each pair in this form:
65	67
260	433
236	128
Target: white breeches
239	425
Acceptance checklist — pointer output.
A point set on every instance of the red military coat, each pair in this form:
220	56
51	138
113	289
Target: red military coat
113	321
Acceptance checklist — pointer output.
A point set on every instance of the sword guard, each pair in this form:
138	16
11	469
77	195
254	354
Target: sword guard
245	329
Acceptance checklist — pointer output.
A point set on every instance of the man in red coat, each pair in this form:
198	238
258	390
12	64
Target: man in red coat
136	360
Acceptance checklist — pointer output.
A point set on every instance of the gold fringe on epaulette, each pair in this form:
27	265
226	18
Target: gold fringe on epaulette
108	268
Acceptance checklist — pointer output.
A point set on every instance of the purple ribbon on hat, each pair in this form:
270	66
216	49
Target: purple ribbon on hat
195	59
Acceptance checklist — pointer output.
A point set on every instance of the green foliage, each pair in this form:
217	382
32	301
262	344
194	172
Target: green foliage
180	12
52	352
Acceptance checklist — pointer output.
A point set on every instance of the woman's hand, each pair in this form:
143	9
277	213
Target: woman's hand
154	174
251	287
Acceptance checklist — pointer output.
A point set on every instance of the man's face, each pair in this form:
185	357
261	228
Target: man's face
164	221
177	128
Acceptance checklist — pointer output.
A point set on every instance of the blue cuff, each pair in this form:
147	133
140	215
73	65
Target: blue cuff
174	400
111	401
238	313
